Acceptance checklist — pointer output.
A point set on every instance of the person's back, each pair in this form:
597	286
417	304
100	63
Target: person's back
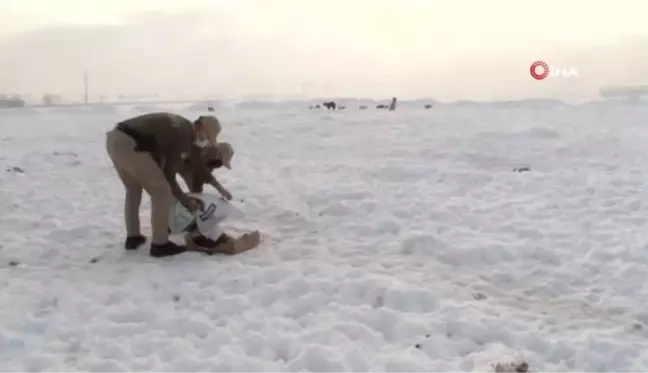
169	134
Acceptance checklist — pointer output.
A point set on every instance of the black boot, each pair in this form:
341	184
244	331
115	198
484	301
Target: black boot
133	242
167	249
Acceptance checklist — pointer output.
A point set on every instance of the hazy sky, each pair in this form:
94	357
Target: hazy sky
442	49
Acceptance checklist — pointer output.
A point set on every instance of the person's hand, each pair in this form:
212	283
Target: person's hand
195	204
226	194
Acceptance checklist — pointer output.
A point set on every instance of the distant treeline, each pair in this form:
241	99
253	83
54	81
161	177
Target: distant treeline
10	102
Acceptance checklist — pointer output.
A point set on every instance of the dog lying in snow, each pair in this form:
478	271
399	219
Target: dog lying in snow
202	232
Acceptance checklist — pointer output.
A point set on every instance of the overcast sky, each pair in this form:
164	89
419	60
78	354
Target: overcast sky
442	49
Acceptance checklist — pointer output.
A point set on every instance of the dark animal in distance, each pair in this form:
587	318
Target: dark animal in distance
330	105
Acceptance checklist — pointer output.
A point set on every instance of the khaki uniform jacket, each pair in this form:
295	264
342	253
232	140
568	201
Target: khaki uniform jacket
171	138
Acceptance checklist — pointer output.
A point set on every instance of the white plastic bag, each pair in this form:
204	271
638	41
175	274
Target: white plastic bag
216	210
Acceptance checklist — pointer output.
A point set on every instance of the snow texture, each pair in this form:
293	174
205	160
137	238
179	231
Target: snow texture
392	241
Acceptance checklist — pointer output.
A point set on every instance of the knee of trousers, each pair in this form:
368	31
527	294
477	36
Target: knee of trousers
133	192
161	192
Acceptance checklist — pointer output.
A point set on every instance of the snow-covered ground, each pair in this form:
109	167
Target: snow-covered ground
393	241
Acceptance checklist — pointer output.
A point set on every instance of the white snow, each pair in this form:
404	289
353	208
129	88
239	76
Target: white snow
379	229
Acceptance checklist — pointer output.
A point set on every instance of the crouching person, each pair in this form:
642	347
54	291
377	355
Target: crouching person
197	174
202	232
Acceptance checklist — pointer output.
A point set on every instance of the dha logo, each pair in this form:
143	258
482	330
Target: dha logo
540	70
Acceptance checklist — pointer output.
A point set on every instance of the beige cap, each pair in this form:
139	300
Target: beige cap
222	151
212	128
225	153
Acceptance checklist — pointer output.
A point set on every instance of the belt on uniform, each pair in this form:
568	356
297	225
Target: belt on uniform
143	143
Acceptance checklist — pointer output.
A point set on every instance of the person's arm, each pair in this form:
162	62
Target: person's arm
180	142
171	168
196	170
224	192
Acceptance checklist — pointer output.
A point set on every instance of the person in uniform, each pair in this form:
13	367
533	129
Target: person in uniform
147	152
196	175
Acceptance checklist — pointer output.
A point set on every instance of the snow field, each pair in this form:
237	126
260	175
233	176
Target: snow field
383	231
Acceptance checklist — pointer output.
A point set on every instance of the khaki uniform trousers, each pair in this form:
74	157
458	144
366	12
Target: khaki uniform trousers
138	171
